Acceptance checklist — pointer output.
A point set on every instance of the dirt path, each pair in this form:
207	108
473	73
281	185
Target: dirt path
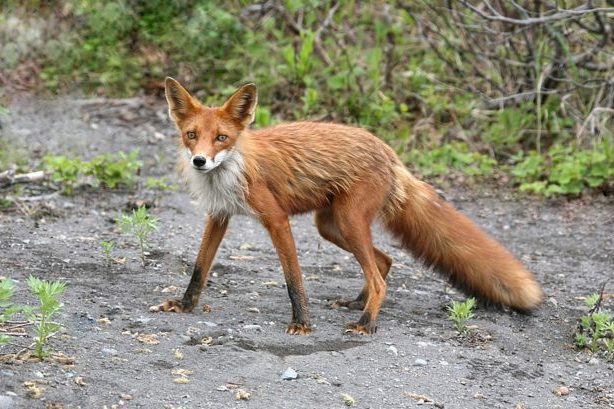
515	362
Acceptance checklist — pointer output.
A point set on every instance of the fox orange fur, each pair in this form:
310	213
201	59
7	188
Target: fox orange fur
349	178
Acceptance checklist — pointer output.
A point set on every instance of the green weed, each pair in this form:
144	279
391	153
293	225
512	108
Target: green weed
565	169
460	313
162	184
596	329
115	170
107	248
49	305
108	170
452	156
141	225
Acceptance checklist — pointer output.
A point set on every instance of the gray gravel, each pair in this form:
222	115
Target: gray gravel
202	360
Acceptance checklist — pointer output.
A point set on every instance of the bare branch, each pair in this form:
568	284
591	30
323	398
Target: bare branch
561	15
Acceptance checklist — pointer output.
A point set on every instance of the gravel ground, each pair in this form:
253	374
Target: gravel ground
126	356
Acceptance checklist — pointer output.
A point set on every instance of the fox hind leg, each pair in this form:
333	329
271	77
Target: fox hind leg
327	228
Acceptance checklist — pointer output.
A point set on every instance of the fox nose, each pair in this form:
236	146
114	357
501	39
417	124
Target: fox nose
199	161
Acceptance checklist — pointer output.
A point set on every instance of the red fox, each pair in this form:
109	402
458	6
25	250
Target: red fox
349	178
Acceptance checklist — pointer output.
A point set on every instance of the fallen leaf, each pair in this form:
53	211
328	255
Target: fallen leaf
80	381
241	258
169	289
206	308
348	400
182	372
104	321
242	394
149	339
33	390
181	380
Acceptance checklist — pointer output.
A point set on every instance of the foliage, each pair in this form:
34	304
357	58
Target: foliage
451	156
140	224
596	329
460	313
115	170
50	305
454	86
161	184
565	169
109	170
66	171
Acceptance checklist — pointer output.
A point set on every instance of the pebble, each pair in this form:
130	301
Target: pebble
209	324
393	350
289	374
594	361
6	402
254	327
109	351
420	362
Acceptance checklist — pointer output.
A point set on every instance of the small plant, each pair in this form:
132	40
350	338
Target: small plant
161	184
140	224
50	305
107	248
109	170
460	313
7	310
596	329
115	170
66	171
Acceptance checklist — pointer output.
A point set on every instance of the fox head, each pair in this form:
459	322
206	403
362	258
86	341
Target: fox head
210	134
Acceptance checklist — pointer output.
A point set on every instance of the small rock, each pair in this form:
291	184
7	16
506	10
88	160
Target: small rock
209	324
254	310
393	350
420	362
561	391
252	327
594	361
289	374
39	374
222	388
6	402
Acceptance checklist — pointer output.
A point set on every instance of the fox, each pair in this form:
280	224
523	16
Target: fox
349	178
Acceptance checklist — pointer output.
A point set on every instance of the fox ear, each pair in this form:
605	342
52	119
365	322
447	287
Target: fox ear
180	102
242	104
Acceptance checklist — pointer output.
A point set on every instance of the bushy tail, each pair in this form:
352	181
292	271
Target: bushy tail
435	232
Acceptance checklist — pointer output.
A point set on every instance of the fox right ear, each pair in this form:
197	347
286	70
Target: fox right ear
180	102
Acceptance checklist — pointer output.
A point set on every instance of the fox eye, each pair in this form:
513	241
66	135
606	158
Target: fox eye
221	138
191	135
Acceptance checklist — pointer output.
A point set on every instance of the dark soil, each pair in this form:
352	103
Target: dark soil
511	360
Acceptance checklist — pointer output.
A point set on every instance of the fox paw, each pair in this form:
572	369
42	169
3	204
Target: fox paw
172	306
358	305
356	328
298	329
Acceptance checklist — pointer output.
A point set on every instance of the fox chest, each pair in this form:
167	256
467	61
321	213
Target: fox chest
221	192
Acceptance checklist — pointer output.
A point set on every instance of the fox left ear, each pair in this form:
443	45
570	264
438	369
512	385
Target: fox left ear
242	104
